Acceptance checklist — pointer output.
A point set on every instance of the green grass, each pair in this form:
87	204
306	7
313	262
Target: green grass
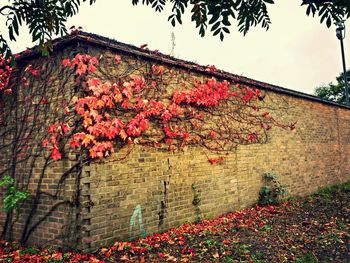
306	258
328	192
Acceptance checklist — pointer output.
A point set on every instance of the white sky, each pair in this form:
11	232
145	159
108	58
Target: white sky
296	53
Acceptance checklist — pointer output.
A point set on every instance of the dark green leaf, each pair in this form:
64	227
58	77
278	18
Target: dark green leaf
215	26
329	22
217	32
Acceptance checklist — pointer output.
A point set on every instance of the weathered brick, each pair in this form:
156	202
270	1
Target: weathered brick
158	184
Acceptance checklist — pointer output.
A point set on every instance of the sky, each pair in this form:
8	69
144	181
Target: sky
297	52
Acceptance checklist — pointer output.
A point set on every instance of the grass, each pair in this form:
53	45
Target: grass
329	191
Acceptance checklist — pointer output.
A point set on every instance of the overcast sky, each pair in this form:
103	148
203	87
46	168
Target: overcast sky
297	52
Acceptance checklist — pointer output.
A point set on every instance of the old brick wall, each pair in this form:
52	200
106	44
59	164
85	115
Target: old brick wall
152	191
50	215
160	187
313	156
54	222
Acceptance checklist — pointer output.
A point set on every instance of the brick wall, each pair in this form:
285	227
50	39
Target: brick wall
50	215
161	183
160	186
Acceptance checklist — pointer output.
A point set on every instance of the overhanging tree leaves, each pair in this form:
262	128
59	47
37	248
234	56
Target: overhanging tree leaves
333	92
43	18
47	18
217	15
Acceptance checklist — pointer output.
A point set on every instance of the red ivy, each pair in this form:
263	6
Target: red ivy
5	74
102	126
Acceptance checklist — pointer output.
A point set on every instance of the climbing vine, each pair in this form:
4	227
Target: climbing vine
147	109
88	106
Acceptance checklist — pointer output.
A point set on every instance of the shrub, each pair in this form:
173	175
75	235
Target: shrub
272	192
12	196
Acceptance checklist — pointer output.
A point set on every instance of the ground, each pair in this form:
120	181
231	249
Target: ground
312	229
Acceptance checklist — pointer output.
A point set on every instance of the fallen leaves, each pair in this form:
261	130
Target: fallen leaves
285	233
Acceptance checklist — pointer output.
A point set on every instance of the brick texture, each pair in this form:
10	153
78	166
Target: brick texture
107	201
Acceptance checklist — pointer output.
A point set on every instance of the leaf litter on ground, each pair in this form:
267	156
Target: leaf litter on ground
312	229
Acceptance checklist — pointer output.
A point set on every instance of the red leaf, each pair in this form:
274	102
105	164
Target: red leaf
55	154
117	58
66	62
143	125
65	127
74	144
93	82
51	128
34	72
218	160
127	92
46	142
82	68
213	134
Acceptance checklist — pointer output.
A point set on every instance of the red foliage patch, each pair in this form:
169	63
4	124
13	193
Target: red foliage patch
123	112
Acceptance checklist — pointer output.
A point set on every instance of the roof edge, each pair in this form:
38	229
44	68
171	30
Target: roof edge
156	56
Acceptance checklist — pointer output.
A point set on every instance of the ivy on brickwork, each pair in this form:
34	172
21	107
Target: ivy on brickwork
138	109
85	107
143	109
5	73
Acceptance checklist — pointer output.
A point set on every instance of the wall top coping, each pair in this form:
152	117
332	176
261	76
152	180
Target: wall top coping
104	42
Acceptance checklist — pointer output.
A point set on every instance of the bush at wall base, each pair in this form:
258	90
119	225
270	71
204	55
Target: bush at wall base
272	192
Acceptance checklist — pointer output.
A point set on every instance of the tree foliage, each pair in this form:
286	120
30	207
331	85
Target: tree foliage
43	18
47	18
333	92
218	15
